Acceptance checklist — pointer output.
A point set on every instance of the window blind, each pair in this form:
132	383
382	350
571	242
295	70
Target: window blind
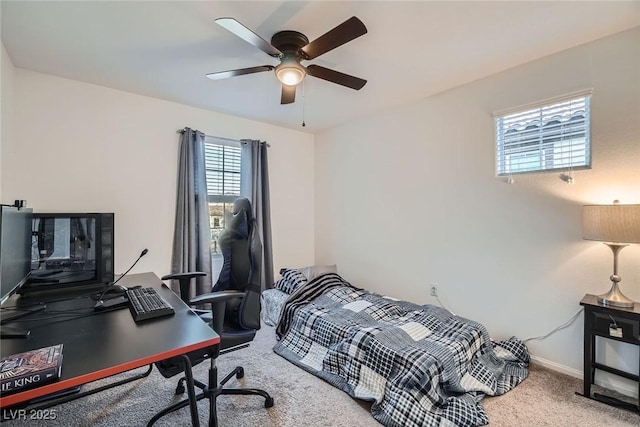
223	170
554	136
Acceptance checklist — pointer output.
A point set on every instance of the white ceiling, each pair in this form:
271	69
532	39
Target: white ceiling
412	49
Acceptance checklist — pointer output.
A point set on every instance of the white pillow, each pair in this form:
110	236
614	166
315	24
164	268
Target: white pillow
313	271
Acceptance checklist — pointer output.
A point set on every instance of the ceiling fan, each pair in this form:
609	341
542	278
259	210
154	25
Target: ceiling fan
291	47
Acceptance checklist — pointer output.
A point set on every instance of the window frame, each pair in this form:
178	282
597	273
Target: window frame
545	145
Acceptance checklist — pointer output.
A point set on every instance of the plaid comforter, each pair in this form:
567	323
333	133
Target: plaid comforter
419	365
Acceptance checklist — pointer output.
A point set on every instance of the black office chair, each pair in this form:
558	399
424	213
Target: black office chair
234	314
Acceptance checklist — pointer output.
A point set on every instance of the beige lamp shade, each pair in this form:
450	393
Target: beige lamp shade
611	223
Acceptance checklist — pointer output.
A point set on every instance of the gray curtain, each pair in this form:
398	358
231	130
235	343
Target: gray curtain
191	247
254	185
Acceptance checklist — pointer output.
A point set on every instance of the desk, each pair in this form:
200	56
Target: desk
598	320
102	344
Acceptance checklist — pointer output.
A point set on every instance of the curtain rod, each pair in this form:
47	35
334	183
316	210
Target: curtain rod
210	136
218	137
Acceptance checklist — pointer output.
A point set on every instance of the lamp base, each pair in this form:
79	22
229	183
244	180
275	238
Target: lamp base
615	298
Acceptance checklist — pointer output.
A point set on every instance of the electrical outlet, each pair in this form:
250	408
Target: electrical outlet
434	290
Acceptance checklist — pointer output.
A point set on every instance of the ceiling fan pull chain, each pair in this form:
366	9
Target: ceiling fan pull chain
303	104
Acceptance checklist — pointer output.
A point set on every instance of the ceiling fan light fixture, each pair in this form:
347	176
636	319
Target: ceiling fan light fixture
290	74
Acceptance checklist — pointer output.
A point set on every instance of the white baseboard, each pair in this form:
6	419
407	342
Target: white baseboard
610	382
556	367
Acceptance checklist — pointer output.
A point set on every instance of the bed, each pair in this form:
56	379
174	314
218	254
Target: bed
419	365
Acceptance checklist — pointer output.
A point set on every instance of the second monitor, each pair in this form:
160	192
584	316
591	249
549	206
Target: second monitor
71	250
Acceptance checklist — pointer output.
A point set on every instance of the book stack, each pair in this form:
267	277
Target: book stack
30	369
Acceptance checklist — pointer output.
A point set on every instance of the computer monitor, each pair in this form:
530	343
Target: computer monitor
15	249
15	263
71	251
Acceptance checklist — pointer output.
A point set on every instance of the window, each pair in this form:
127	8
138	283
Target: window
223	166
553	136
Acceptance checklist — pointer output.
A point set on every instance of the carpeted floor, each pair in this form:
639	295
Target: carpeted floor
546	398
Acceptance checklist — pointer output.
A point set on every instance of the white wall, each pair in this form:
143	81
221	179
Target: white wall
409	197
81	147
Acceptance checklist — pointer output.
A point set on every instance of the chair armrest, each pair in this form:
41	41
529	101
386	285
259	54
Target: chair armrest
215	297
184	281
180	276
218	305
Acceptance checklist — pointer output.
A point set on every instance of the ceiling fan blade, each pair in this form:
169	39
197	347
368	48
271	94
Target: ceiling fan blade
350	29
288	94
249	36
336	77
239	72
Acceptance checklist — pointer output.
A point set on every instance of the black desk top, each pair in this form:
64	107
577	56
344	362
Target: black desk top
101	344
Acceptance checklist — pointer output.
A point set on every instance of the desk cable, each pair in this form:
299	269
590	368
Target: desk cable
58	316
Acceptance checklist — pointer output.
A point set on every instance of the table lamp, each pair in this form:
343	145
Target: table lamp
616	225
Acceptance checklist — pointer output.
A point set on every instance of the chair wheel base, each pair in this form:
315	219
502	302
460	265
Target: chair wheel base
240	372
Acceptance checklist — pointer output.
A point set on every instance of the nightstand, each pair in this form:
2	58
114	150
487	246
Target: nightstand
619	324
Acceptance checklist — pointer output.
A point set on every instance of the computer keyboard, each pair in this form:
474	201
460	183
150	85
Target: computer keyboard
146	303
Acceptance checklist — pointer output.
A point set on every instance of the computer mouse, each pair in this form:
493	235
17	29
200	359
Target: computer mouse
111	291
115	289
112	303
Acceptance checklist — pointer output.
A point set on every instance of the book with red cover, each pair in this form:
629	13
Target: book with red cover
30	369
